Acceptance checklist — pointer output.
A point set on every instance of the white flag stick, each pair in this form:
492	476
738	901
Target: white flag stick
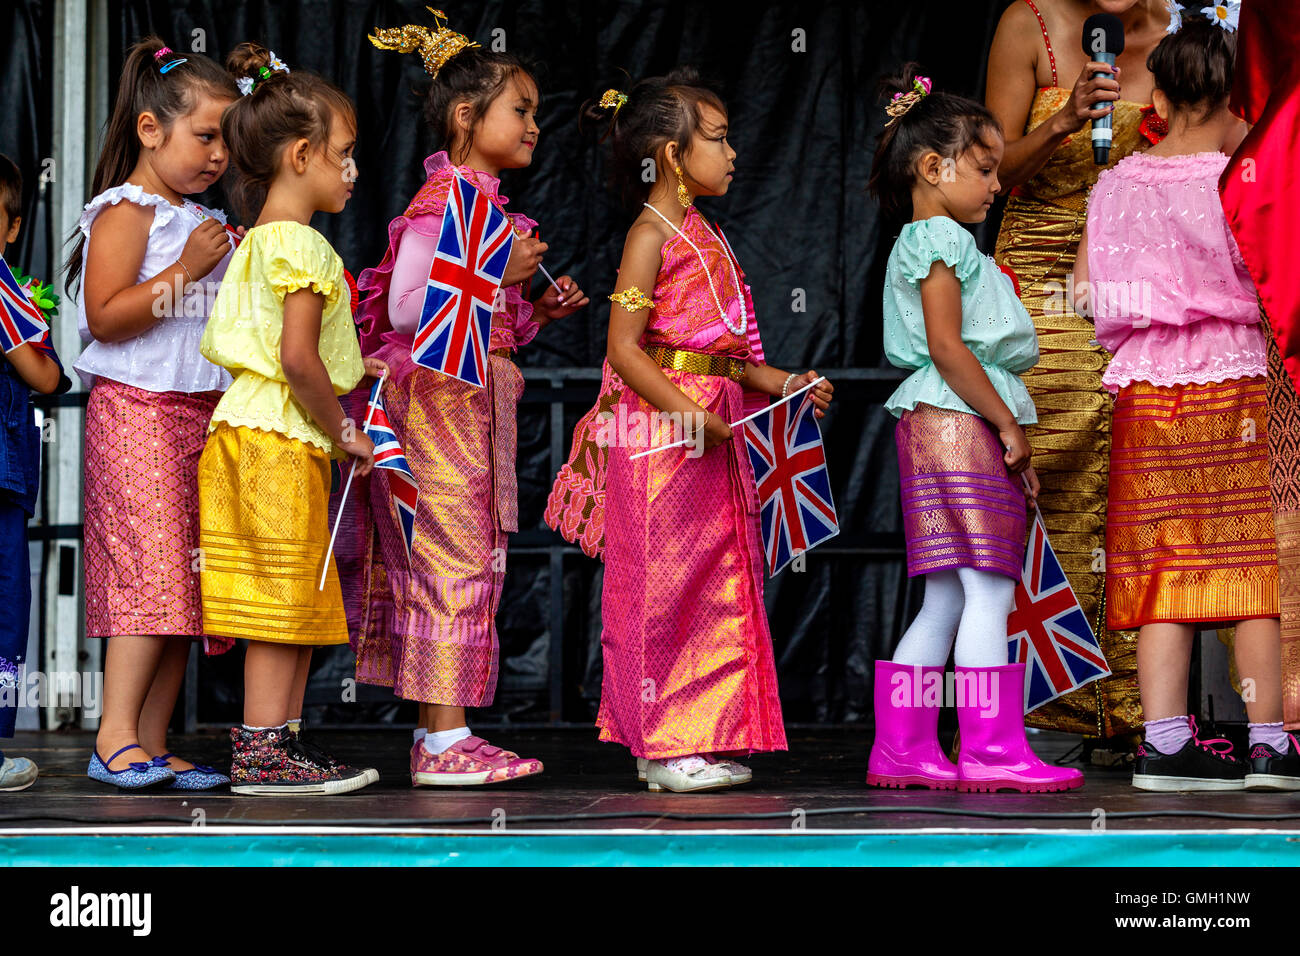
554	285
688	441
344	500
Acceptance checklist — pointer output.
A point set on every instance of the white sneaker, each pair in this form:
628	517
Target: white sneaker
738	772
17	773
686	774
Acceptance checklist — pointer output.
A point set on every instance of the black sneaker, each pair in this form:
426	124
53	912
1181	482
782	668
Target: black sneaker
1196	766
1270	770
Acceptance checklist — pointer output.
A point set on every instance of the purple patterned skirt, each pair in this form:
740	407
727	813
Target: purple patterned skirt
961	507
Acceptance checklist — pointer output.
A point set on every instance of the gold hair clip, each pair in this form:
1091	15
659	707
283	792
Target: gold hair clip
902	102
632	299
435	46
612	99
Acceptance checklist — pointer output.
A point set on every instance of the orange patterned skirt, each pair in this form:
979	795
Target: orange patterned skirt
1189	528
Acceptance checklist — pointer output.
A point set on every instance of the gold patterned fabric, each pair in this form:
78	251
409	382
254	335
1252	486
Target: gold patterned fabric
263	531
1284	485
1189	534
697	362
1041	229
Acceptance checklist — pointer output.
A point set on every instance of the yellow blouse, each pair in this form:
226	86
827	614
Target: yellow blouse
247	321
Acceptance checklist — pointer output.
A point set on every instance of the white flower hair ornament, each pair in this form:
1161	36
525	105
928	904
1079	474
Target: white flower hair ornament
1224	15
245	84
1175	16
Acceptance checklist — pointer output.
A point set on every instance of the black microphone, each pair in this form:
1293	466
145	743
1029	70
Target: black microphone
1103	41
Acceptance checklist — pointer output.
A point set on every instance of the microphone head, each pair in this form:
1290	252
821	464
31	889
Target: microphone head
1103	33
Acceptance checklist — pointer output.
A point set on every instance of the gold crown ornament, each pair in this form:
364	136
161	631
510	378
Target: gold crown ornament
612	99
435	46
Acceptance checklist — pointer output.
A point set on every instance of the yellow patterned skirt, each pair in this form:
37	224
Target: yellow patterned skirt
1071	445
1189	536
263	531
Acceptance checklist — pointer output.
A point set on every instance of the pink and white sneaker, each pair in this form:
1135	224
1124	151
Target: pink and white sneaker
468	763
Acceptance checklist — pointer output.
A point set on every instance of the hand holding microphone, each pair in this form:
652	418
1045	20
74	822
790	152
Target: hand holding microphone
1103	42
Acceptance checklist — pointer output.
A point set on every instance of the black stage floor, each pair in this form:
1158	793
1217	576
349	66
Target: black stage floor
818	785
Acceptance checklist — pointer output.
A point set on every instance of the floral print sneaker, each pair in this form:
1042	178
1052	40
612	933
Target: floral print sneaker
267	762
468	763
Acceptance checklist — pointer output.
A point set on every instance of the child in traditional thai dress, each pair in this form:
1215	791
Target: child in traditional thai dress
149	262
689	681
953	317
1189	530
429	628
282	325
31	366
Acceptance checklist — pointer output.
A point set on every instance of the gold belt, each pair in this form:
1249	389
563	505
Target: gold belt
503	352
697	363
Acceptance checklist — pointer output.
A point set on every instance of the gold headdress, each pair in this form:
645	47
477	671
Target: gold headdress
612	99
435	46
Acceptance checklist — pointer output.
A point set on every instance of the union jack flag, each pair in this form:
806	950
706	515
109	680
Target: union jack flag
464	279
20	320
794	491
389	454
1047	630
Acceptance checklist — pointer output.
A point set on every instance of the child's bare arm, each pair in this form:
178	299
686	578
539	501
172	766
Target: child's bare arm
308	377
38	370
118	307
941	302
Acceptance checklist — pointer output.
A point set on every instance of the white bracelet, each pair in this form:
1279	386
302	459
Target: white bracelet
788	379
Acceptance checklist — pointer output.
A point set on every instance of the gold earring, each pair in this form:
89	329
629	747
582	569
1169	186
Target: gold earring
683	194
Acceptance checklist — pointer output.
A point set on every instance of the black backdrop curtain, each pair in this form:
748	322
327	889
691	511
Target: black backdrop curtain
26	92
799	80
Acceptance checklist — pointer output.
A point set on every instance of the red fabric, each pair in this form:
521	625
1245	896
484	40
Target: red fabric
1261	196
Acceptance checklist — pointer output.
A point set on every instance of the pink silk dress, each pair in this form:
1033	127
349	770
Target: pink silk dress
688	655
428	625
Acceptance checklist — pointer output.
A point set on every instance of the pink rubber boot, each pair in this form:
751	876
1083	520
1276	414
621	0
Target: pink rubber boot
906	751
995	754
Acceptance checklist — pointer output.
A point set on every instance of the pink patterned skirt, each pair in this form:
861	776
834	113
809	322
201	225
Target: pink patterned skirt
428	628
142	511
961	507
688	656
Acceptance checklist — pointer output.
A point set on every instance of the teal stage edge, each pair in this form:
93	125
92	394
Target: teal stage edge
250	846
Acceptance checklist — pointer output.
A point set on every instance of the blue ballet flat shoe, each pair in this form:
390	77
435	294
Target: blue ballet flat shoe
135	776
198	777
16	773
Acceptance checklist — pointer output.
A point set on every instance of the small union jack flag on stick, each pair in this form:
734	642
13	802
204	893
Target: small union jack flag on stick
20	320
389	454
464	279
794	490
1047	630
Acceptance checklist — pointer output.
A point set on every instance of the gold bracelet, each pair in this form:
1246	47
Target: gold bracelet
632	299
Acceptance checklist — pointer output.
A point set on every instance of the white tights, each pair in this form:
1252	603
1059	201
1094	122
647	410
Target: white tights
965	603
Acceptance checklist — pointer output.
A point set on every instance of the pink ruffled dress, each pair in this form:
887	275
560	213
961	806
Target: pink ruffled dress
428	624
687	652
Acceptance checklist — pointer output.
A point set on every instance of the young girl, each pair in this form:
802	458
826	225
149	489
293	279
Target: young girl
144	271
682	688
282	325
32	366
1189	532
429	632
953	316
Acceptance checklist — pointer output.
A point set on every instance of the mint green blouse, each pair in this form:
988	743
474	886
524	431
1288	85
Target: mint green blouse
994	325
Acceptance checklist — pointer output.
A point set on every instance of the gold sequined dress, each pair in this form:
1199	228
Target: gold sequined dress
1040	233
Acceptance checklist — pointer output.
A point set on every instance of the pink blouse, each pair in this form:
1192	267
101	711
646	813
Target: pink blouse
1171	297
